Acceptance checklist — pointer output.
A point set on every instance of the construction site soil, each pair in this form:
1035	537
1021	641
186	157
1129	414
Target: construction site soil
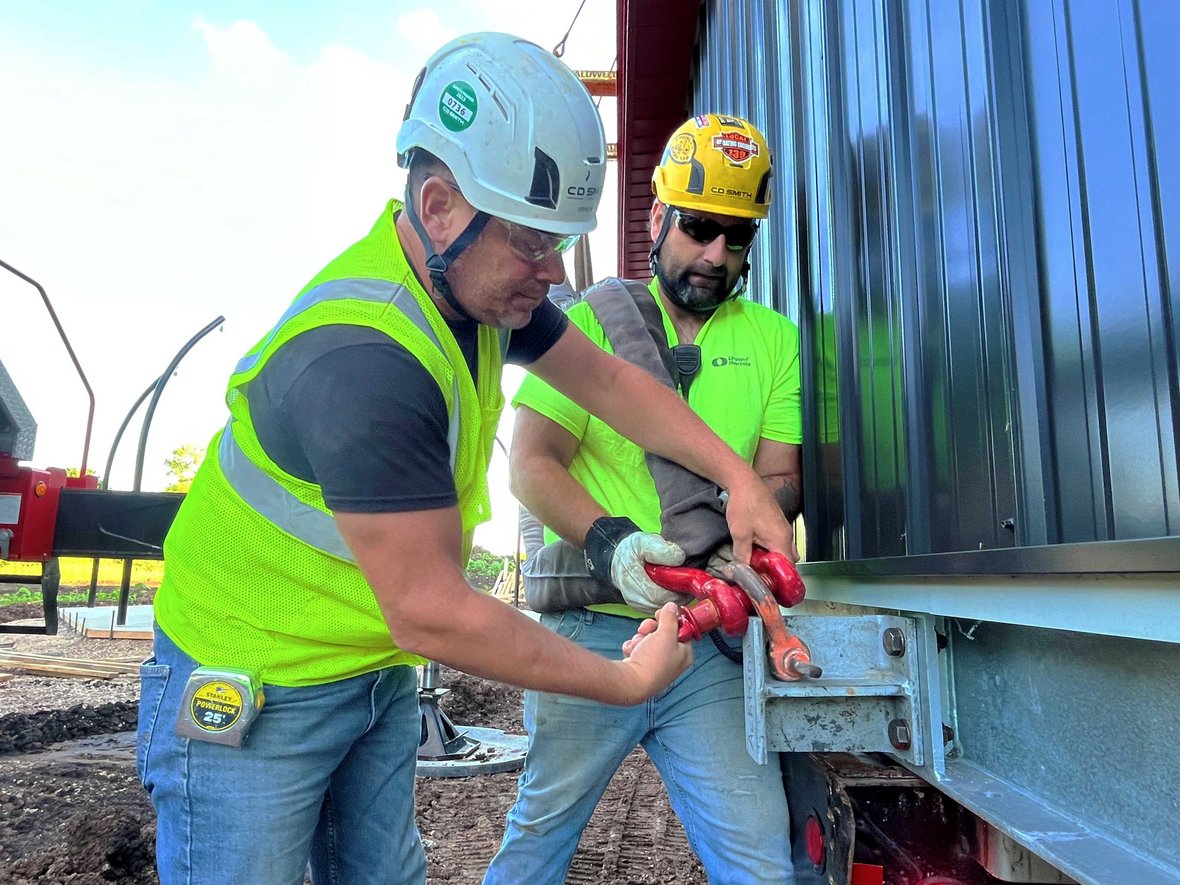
72	809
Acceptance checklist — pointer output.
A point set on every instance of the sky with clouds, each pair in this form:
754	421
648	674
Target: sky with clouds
164	164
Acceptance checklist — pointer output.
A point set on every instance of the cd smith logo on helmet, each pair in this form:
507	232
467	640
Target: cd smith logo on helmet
582	191
731	192
737	147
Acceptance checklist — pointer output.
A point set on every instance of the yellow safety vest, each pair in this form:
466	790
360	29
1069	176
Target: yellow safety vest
256	572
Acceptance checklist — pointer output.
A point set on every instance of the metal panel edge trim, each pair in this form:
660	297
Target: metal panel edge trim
1073	846
1151	555
1135	607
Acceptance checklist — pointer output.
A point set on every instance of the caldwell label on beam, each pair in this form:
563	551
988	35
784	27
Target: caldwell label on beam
599	82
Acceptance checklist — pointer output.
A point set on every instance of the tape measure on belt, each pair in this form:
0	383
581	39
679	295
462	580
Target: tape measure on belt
220	705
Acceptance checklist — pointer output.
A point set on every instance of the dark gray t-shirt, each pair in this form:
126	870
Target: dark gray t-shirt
351	410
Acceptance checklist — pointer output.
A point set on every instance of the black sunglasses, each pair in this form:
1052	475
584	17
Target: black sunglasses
706	230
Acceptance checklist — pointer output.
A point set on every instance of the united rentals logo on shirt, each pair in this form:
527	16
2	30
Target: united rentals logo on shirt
730	361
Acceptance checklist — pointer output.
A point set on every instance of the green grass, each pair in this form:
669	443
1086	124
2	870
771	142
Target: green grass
484	565
104	596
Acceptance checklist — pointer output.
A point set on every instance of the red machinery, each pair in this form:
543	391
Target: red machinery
28	508
45	514
29	499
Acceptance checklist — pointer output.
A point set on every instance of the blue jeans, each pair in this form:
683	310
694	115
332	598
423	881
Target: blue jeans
734	811
326	774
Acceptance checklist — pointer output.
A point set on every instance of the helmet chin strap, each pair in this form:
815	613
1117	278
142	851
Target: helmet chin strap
653	260
437	264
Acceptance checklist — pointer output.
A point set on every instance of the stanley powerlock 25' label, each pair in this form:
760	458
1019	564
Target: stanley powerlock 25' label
216	706
220	705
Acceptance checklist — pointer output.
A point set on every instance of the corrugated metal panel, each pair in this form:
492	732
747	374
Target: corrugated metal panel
1104	98
973	209
734	77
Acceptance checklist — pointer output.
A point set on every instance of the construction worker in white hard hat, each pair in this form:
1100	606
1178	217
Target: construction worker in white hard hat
737	365
319	556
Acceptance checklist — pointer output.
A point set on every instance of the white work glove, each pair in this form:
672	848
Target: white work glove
721	556
628	574
616	550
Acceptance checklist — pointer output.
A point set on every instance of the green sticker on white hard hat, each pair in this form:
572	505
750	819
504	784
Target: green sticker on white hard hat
457	106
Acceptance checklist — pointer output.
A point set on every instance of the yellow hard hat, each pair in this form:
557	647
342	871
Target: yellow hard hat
715	163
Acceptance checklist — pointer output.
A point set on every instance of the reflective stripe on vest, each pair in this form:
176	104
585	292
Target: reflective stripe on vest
269	499
267	496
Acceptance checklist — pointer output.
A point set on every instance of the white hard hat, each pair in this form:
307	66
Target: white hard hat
517	129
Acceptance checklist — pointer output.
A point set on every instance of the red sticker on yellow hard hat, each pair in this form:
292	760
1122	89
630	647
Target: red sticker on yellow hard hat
736	146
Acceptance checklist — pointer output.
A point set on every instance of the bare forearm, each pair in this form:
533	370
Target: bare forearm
545	487
411	562
654	417
527	654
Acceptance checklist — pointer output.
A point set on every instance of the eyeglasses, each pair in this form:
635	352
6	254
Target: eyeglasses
706	230
535	246
532	245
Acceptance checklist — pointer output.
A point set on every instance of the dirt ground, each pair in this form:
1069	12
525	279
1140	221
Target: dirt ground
72	809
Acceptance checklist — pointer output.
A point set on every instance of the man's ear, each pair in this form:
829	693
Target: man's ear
655	220
443	212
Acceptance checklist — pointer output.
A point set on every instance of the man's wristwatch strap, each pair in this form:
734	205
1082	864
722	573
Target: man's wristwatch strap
602	539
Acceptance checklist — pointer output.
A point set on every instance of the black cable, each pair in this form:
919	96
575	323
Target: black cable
734	654
157	391
92	596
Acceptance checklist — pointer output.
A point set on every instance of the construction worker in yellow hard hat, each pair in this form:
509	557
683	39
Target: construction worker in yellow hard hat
713	165
737	365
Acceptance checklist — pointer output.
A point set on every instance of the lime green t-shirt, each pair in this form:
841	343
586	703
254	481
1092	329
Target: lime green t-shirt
746	390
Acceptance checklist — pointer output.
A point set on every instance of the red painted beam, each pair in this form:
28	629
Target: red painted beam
656	40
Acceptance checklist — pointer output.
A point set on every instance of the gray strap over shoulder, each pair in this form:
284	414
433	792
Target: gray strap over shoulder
690	511
555	578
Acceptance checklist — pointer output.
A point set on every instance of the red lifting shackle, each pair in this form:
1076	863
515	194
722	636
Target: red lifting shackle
779	574
723	605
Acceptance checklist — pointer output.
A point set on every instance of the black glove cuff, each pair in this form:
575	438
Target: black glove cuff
604	536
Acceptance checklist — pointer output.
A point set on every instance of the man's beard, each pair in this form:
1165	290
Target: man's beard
699	299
